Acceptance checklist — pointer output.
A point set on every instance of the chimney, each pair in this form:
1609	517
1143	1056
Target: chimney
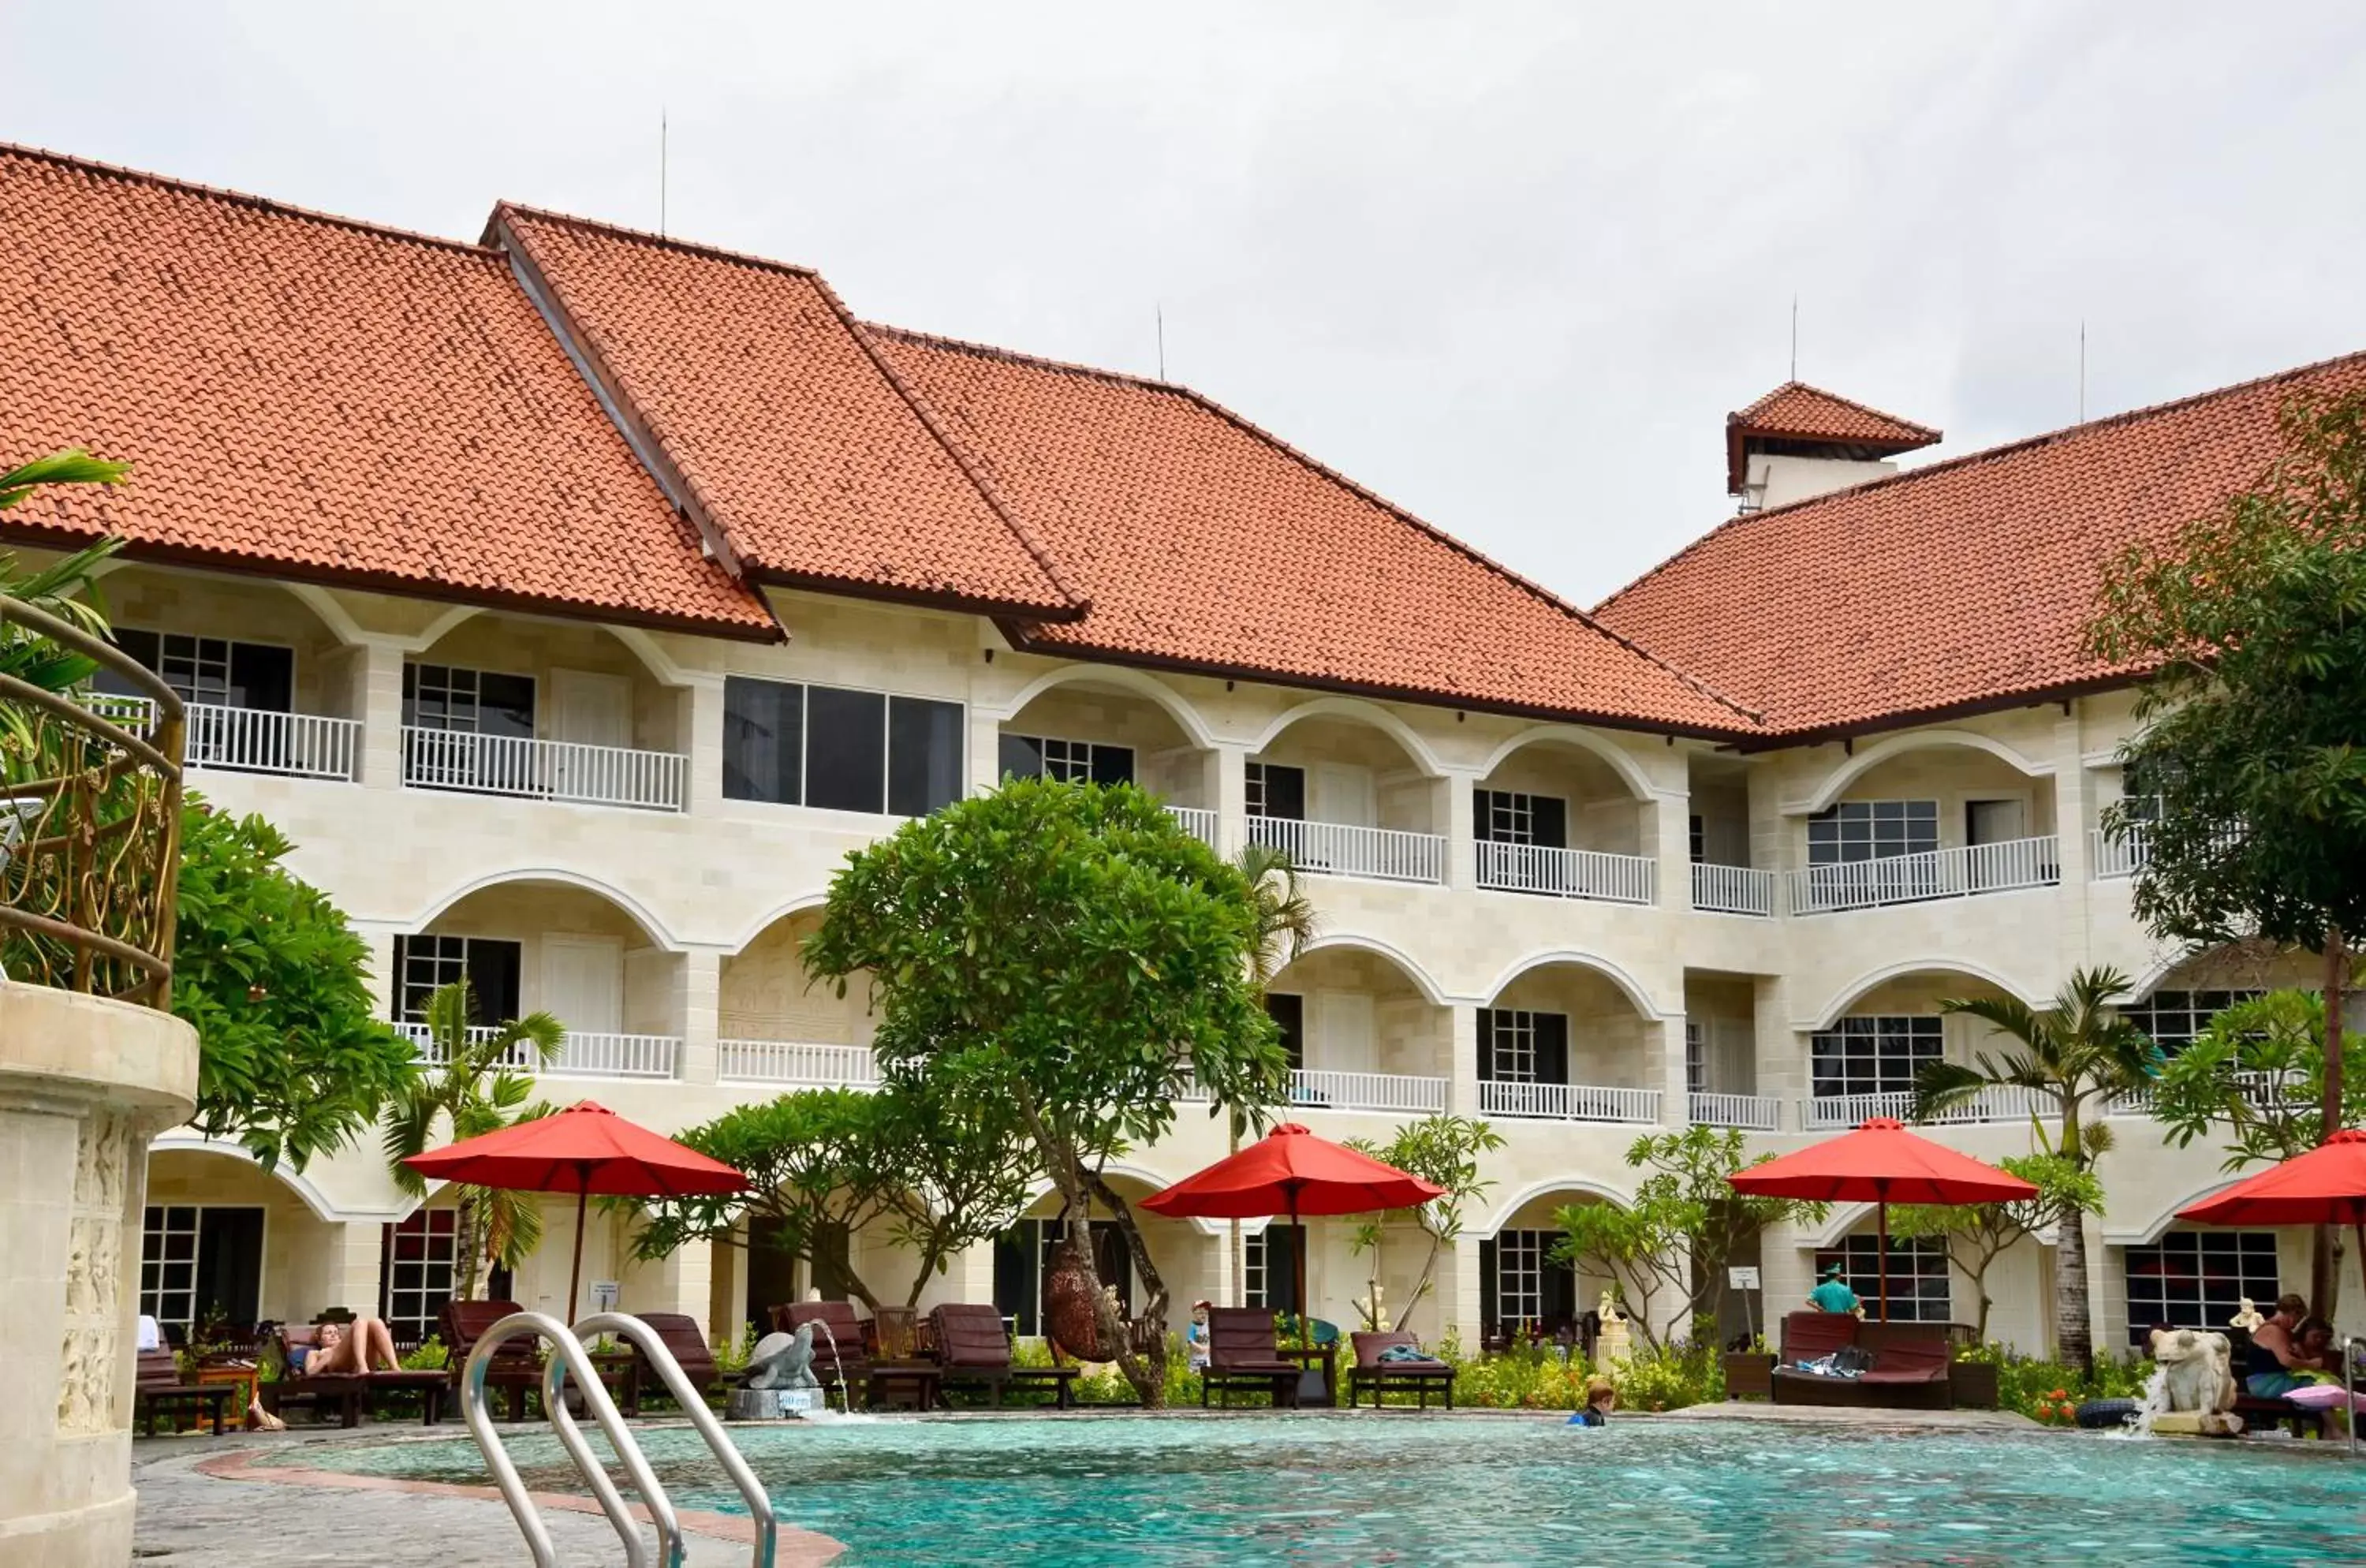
1799	441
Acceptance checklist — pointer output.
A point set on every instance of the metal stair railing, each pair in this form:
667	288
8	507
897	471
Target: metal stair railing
692	1401
569	1356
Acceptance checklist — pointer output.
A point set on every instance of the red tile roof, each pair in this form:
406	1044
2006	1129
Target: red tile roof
784	429
1797	412
1206	544
324	400
1965	584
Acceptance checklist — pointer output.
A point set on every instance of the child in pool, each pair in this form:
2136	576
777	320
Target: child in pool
1601	1399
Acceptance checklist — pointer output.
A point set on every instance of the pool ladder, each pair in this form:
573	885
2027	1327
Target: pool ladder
569	1359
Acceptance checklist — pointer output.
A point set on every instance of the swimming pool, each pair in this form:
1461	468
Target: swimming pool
1312	1489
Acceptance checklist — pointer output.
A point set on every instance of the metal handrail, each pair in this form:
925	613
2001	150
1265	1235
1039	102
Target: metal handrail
692	1401
570	1357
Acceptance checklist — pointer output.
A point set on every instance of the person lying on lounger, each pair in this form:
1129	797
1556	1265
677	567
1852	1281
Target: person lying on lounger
349	1349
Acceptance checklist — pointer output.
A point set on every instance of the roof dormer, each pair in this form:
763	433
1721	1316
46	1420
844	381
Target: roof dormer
1799	441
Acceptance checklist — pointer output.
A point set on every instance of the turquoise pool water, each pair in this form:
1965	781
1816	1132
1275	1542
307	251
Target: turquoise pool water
1067	1494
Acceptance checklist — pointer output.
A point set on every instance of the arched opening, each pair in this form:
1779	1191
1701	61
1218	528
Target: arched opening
1106	730
1188	1255
511	705
1862	1061
1926	817
532	945
776	1025
224	1242
1524	1292
2177	1000
270	688
1362	1034
1562	1041
2198	1276
1562	813
1347	795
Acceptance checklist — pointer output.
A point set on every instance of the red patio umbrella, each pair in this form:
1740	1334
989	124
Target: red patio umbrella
1881	1163
2325	1186
1290	1172
584	1149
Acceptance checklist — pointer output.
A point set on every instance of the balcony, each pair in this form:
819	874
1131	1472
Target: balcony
1917	878
1566	874
584	1056
1315	1090
1197	821
1743	1113
1569	1103
543	770
1337	849
1732	890
248	740
791	1062
2117	857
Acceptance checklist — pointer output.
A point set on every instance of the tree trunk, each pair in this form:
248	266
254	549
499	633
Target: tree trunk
467	1249
2073	1336
1148	1374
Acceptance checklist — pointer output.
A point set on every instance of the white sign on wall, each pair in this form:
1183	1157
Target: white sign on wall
1742	1279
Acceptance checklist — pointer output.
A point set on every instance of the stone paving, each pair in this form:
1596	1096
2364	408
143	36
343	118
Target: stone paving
188	1519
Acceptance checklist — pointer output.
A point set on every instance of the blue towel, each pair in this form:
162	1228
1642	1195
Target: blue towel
1408	1353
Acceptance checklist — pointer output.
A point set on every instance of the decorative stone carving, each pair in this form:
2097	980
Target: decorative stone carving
2199	1367
93	1340
781	1361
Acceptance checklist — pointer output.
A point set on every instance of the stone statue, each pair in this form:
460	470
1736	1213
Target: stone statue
2247	1318
1611	1346
782	1360
2194	1391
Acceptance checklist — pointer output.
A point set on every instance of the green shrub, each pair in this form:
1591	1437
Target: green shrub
431	1357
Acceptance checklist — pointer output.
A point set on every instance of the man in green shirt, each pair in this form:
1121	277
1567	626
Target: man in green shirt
1831	1293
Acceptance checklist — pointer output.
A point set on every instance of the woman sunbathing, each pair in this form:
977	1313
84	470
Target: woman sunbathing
343	1350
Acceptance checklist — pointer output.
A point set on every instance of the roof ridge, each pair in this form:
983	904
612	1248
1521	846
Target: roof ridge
1795	384
241	198
1371	497
648	237
1989	454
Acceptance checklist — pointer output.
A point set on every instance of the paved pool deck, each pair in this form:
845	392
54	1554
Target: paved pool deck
254	1500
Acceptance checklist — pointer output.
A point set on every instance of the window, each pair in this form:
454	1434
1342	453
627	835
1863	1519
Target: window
790	744
212	669
1695	1060
1696	839
1276	792
1269	1267
1872	830
1071	762
1871	1055
1520	1286
1519	1046
422	1257
168	1265
1289	1014
1505	817
2198	1278
423	965
476	702
1918	1275
2174	1018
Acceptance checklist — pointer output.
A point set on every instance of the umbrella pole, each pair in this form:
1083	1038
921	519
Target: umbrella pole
1881	1261
575	1269
1306	1305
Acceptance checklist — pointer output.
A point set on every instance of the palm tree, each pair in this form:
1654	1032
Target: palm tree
1285	923
2078	1053
477	1087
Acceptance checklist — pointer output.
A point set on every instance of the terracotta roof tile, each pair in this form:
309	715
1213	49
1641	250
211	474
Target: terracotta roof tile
793	437
323	398
1207	544
1797	412
1966	583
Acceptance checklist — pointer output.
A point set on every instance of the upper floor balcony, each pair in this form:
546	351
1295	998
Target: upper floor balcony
1559	817
1917	819
1345	799
1956	873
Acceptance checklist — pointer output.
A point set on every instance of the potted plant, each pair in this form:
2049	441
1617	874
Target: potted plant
1974	1377
1749	1374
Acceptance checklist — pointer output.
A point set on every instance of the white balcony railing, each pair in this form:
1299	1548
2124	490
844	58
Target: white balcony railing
1732	889
1566	874
1314	1089
1937	874
2003	1103
2119	857
1337	849
793	1061
585	1053
1568	1103
543	770
1745	1112
300	745
1197	821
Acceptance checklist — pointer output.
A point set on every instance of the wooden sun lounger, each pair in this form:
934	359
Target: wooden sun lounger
1242	1354
159	1386
840	1356
1384	1377
680	1335
972	1348
346	1391
1910	1370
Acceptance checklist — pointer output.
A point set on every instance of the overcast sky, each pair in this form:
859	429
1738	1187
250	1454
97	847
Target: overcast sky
1509	266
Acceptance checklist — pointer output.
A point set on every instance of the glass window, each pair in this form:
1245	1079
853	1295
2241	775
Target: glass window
1508	817
925	755
168	1265
1695	1060
1276	792
422	1259
1072	762
1919	1291
482	701
1269	1267
1289	1015
217	671
423	965
1696	839
1873	1055
1872	830
845	749
2198	1280
763	741
2174	1018
1516	1045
